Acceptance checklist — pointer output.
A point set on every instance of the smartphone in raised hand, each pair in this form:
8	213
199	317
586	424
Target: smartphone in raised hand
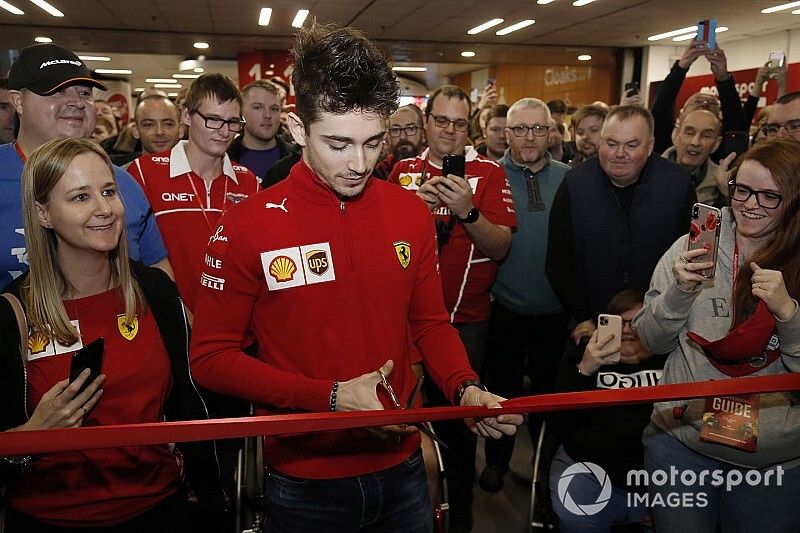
707	32
606	325
454	164
704	231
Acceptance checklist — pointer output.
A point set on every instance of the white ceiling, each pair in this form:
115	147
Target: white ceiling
152	36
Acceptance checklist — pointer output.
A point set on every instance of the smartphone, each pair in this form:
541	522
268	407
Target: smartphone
489	83
735	141
631	88
453	164
91	357
704	233
707	31
777	59
606	325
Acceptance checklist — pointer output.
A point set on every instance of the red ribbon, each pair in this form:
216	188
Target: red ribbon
55	440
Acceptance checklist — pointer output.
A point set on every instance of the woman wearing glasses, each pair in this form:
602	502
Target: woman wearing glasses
743	322
610	437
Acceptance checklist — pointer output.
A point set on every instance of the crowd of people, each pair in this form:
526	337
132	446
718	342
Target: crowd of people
225	250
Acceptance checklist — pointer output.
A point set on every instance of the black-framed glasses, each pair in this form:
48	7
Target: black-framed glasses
539	130
742	193
235	125
443	122
410	131
627	322
791	127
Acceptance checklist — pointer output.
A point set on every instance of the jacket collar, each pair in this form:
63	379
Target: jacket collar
179	163
308	184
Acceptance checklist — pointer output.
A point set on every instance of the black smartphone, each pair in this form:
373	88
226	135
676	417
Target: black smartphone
735	141
91	357
453	164
631	88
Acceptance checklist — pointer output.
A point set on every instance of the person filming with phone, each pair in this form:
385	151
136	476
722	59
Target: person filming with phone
473	208
613	358
743	321
80	294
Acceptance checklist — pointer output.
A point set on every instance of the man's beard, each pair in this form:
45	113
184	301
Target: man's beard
404	150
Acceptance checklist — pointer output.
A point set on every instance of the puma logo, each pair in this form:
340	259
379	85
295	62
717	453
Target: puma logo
280	206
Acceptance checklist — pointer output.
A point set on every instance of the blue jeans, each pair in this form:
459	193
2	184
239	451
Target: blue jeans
744	508
584	489
391	500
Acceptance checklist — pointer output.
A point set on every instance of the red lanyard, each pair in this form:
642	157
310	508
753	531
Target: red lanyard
200	204
19	151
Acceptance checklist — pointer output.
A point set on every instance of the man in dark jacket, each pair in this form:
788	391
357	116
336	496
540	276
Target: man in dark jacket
613	217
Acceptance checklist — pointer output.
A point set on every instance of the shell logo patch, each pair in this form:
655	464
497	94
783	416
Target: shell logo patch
37	342
282	268
128	331
403	251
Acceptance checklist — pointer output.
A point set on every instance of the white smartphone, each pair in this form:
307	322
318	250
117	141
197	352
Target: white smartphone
606	325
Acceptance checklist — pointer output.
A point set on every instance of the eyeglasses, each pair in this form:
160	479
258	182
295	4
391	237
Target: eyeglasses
443	122
395	131
235	125
627	323
742	193
539	130
791	127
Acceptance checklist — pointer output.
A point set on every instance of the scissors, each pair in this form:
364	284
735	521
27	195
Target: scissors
409	405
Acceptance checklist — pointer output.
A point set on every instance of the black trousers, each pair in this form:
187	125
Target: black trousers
515	339
459	458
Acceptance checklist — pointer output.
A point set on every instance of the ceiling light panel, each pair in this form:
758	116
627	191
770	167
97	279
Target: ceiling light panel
782	7
515	27
113	71
264	15
485	26
14	10
47	7
300	18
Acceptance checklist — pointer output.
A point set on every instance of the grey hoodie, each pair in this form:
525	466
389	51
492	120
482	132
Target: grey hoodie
670	312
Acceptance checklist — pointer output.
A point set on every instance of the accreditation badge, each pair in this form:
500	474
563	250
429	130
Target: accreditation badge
731	421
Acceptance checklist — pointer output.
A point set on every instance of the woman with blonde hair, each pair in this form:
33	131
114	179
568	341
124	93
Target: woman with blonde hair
81	287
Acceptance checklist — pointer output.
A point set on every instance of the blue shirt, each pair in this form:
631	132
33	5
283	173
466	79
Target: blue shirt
521	285
144	240
259	161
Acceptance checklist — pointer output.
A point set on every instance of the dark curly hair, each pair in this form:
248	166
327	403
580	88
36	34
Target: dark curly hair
338	70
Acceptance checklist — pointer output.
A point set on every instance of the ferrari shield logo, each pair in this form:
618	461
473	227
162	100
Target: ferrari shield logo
403	251
128	331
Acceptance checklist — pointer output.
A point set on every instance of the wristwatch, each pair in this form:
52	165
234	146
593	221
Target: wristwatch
471	217
462	388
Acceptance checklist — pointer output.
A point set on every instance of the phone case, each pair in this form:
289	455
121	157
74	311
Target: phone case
735	141
776	59
453	164
707	31
606	325
704	233
91	357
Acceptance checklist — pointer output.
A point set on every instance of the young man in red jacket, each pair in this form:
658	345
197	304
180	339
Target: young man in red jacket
332	271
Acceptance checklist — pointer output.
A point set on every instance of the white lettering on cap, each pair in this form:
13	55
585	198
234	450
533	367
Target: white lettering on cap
60	62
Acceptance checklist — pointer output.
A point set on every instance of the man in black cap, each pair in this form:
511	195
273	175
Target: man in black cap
51	91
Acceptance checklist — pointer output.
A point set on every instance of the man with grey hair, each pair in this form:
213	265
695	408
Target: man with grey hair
613	217
527	319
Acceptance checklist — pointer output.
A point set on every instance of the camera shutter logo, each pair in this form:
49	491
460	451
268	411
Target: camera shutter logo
602	480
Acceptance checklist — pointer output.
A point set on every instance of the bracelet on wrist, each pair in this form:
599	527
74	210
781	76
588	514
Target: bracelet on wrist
334	391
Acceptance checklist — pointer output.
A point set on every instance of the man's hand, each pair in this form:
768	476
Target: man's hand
719	63
723	175
692	52
430	194
584	329
456	193
488	98
597	353
492	427
359	394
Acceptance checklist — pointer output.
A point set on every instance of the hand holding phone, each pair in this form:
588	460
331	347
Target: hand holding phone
454	164
610	325
91	357
735	141
704	233
707	32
